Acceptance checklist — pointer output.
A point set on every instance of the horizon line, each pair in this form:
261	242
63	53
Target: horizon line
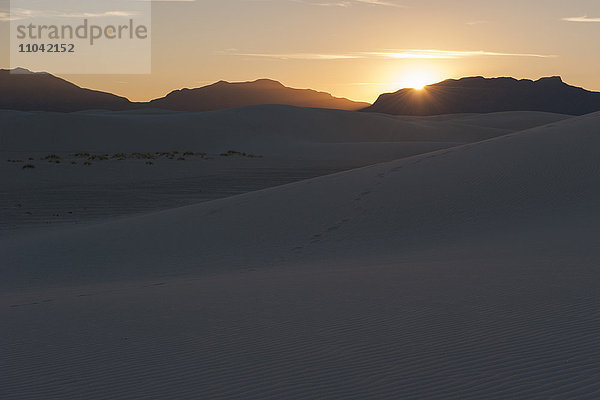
253	80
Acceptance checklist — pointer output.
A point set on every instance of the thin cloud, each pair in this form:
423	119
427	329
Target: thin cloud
392	55
584	18
379	3
20	14
94	15
449	54
350	3
370	84
297	56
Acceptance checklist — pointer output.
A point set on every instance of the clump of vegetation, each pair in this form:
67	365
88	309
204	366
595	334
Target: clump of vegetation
101	157
28	166
143	156
230	153
149	163
170	155
31	158
15	161
120	156
52	157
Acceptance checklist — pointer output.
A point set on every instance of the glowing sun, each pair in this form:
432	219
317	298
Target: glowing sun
415	81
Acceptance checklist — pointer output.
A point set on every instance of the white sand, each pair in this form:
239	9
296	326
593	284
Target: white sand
469	272
297	144
268	130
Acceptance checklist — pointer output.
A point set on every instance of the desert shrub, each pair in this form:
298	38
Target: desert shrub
98	157
52	157
28	166
149	163
143	156
73	162
181	159
87	163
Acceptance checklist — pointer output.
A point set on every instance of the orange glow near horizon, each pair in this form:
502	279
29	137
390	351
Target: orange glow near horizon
356	49
416	80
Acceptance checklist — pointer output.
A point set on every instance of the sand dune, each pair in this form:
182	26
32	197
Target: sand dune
468	192
260	129
468	272
296	144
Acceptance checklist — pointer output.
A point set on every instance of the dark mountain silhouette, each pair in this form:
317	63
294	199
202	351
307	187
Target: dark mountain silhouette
481	95
27	91
263	91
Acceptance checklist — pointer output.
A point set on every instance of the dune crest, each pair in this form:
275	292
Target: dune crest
468	272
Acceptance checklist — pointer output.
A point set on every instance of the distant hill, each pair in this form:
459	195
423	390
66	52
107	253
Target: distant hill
28	91
482	95
24	90
223	94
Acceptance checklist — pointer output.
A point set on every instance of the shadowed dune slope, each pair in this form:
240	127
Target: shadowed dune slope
270	129
466	273
541	183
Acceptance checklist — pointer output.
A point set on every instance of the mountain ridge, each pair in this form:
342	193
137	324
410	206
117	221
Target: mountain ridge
224	94
483	95
23	90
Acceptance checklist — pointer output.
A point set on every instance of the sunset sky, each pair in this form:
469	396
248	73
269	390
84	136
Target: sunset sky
358	48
